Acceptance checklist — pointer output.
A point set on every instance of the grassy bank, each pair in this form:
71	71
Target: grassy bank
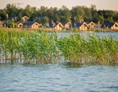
41	47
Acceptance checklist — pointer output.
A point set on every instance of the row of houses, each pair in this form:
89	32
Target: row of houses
62	25
69	25
65	25
58	25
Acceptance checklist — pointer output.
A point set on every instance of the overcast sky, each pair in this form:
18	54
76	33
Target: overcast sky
100	4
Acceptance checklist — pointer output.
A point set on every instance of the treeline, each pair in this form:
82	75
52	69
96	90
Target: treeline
63	14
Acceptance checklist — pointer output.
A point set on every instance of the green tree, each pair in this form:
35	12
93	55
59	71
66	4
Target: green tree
46	19
101	19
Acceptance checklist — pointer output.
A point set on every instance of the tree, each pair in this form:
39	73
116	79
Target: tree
77	13
101	19
115	18
46	19
3	14
93	7
43	11
110	19
95	18
38	20
56	18
87	16
64	7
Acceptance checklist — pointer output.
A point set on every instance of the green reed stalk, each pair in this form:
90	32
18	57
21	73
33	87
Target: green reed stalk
42	47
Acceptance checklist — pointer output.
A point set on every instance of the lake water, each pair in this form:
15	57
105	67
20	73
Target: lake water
60	77
85	34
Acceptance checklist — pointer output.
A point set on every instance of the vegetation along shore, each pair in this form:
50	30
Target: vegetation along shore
42	47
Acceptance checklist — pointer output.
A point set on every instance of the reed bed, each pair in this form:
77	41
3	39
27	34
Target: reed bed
27	47
90	50
42	47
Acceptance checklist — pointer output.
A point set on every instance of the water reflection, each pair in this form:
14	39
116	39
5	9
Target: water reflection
71	64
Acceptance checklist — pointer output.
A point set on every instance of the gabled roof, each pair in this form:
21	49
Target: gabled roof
89	22
19	23
63	23
107	24
54	24
58	23
77	24
29	23
25	18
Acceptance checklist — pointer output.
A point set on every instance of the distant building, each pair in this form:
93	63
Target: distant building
91	25
20	25
25	18
115	26
58	26
110	25
81	26
31	24
66	25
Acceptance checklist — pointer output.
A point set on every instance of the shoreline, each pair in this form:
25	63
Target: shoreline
54	30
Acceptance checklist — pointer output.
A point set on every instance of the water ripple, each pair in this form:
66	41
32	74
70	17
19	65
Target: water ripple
56	78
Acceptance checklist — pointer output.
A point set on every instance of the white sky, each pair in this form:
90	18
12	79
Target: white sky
100	4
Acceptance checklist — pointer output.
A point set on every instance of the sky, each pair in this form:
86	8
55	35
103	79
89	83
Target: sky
100	4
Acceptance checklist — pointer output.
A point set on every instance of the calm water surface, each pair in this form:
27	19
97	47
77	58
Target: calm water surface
85	34
58	78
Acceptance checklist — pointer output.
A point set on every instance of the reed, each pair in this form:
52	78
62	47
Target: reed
43	47
92	50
